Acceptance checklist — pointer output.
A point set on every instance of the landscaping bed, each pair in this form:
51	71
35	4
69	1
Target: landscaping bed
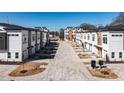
78	49
84	55
73	45
29	68
103	73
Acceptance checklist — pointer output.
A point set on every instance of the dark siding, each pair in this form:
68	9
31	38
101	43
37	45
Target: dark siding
41	40
3	41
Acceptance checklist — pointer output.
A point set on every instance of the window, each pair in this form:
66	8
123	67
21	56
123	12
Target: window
120	54
1	37
38	37
105	40
119	35
16	35
9	55
33	37
13	34
24	40
112	55
16	55
42	35
88	37
93	37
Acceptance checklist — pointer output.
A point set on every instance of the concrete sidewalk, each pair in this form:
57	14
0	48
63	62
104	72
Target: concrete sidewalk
66	65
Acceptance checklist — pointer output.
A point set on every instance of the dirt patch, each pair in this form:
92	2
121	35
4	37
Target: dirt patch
103	73
29	68
86	63
78	50
84	56
73	45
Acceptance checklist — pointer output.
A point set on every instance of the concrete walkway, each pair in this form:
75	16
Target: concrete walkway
66	65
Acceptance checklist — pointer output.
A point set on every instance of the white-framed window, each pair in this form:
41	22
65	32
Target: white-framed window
104	40
16	55
120	54
88	37
9	55
33	37
24	40
117	35
13	34
113	55
38	36
93	37
84	36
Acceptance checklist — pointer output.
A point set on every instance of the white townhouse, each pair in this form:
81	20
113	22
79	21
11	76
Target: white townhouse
45	36
113	45
18	43
105	43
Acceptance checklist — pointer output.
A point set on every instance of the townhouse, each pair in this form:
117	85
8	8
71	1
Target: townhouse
18	43
106	43
70	33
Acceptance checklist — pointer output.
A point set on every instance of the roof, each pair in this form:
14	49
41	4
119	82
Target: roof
8	26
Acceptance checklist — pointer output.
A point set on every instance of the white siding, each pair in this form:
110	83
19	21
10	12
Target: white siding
15	45
25	44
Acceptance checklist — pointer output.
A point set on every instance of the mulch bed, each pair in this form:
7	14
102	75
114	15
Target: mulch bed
103	73
86	63
84	56
114	62
29	68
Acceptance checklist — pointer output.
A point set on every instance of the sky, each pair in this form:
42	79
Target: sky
56	20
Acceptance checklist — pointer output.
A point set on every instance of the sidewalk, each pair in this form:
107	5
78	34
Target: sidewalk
66	65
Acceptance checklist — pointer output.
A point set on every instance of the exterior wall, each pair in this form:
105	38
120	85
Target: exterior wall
38	41
116	45
25	44
103	50
22	43
70	35
33	41
3	55
78	39
15	45
44	37
105	46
